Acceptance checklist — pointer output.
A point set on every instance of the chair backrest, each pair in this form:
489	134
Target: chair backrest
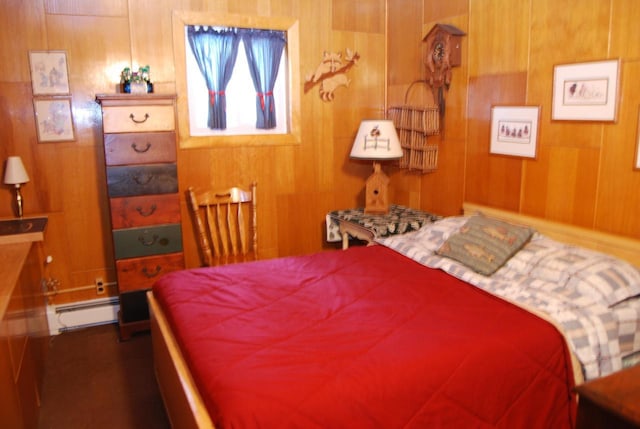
226	224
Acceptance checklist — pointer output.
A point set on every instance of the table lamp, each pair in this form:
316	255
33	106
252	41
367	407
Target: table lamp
15	174
376	140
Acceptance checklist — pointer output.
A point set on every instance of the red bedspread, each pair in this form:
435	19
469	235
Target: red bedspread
363	338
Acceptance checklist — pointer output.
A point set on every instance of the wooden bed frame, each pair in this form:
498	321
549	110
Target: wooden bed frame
184	405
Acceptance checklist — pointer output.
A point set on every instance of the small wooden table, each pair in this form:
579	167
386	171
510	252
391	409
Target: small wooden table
342	224
610	402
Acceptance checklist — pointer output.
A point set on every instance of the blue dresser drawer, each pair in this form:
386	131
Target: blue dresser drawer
155	240
126	181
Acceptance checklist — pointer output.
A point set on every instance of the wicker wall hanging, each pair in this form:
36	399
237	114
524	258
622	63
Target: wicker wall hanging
414	124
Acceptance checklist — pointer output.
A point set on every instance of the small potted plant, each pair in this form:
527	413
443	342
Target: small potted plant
136	82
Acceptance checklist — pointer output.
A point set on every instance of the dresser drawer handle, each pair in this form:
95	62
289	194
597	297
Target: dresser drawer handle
141	181
148	243
147	213
148	274
139	121
146	149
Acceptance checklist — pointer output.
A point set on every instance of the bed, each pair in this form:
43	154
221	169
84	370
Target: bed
393	335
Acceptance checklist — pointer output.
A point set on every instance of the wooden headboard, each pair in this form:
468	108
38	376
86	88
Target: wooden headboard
623	247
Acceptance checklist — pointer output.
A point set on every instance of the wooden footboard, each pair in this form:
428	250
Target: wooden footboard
182	401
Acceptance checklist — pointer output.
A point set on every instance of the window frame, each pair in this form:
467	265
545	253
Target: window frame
181	19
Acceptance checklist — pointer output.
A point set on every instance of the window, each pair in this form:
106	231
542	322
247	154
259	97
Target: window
243	103
240	120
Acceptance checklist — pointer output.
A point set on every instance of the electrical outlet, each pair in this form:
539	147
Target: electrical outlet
99	285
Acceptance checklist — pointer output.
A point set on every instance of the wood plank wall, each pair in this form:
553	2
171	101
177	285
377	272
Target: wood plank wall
297	184
583	173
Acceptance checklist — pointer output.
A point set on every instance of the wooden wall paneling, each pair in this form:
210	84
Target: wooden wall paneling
301	222
562	183
249	7
362	99
85	207
366	16
571	178
534	190
98	48
286	7
56	246
97	8
26	19
498	36
404	66
618	155
492	179
48	169
18	137
564	33
625	31
511	46
436	11
405	54
404	41
152	44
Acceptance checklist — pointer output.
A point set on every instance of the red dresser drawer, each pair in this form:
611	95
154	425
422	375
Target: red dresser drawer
144	210
139	148
141	273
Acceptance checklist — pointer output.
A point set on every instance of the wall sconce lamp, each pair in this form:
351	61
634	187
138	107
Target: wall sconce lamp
15	174
376	140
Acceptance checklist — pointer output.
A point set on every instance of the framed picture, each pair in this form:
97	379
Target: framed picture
49	73
514	130
54	120
586	91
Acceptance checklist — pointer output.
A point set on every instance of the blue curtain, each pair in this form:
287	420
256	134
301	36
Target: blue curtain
215	51
264	50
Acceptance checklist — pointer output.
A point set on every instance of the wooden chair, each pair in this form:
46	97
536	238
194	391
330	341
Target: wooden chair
226	224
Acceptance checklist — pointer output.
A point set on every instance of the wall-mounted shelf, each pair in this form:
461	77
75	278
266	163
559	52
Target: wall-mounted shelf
22	230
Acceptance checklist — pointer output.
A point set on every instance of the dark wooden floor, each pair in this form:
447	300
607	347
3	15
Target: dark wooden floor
92	380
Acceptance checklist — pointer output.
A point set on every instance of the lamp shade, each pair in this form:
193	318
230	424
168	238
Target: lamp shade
15	173
376	139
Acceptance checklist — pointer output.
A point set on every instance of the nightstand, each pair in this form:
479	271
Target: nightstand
610	402
342	224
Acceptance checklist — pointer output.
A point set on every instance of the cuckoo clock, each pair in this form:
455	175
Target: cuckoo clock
443	51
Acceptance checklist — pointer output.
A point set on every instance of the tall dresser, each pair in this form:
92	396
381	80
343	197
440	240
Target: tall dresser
142	186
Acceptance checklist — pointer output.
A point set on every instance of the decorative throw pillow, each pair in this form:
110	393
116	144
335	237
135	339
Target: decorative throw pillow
484	244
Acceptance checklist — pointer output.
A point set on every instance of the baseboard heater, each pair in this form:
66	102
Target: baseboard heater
82	314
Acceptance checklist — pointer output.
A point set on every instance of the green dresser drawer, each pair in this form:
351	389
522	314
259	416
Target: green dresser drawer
156	240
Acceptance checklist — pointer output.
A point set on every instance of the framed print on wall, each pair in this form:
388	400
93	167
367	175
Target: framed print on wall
585	91
54	120
49	72
514	130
